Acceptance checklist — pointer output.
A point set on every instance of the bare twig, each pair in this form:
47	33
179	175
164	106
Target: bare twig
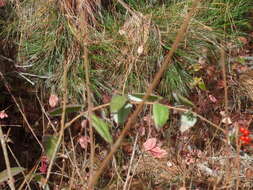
6	159
6	84
154	83
61	133
84	30
23	173
223	66
128	178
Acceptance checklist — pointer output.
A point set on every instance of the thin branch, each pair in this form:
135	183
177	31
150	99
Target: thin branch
128	178
84	30
61	133
6	84
6	159
154	83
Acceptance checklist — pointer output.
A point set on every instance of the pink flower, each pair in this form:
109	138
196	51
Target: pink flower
53	100
2	113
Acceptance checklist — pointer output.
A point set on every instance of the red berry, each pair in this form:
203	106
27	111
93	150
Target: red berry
246	132
242	138
242	129
247	139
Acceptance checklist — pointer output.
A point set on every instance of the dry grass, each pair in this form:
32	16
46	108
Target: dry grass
85	53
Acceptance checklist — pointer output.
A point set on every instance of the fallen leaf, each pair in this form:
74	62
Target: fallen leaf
2	3
84	123
3	114
53	100
212	98
44	164
140	50
157	152
149	144
243	40
84	141
142	131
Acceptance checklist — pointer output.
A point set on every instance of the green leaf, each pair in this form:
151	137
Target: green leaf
102	128
138	97
69	109
187	120
49	144
202	85
183	100
14	171
117	103
160	114
121	116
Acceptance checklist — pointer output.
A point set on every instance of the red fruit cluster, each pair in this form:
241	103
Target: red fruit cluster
245	137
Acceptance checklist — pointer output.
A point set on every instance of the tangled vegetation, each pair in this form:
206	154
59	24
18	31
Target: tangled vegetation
100	57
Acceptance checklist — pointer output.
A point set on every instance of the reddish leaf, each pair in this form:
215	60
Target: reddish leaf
84	123
243	40
142	131
2	3
149	144
157	152
2	113
44	164
53	100
212	98
84	141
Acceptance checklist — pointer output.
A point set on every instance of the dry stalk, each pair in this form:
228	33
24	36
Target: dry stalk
61	132
84	24
6	84
154	83
6	159
224	76
127	183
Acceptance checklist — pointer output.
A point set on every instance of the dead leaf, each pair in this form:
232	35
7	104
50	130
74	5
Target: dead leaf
44	164
84	141
153	148
3	114
212	98
150	144
243	40
53	100
2	3
84	123
157	152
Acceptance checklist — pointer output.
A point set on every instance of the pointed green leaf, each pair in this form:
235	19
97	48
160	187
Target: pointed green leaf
69	109
14	171
138	97
102	128
202	85
187	120
117	103
121	116
49	144
160	114
183	100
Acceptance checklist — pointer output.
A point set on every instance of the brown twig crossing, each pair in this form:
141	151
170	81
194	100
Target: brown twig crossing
154	83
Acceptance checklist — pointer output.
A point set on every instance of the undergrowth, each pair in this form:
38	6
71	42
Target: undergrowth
44	34
127	45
